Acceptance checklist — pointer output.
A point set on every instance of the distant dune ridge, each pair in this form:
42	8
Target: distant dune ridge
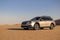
57	22
14	25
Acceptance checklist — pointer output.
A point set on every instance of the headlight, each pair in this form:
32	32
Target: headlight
24	22
29	22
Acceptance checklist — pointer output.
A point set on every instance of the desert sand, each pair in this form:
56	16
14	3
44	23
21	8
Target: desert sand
13	32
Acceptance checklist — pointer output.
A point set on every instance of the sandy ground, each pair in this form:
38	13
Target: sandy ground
14	32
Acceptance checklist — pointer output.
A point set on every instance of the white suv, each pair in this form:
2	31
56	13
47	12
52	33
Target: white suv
39	23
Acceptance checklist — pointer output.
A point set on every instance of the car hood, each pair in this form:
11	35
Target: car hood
26	21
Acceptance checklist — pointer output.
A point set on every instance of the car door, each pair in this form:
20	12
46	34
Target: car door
43	22
46	21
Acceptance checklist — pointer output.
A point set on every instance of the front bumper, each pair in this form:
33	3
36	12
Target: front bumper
26	26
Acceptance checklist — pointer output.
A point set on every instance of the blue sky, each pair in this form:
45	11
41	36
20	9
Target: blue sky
16	11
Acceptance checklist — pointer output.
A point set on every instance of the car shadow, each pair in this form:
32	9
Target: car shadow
17	29
23	29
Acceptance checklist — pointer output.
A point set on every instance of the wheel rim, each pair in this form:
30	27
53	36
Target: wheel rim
51	27
36	27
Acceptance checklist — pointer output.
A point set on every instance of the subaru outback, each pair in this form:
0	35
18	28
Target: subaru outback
39	22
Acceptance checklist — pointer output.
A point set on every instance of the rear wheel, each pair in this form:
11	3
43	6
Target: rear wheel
51	26
36	27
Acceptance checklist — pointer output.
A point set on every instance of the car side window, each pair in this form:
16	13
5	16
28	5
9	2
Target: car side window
37	18
46	19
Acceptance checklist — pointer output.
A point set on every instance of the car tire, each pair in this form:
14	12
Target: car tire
41	28
51	26
36	27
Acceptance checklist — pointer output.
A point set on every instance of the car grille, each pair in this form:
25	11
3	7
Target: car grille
24	22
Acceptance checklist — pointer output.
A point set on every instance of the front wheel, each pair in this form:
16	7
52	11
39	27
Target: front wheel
51	26
36	27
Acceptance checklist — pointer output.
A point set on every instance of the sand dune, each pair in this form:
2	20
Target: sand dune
13	32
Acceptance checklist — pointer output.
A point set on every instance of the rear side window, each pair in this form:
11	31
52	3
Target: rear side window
46	18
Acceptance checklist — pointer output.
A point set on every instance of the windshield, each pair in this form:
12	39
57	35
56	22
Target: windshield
36	18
